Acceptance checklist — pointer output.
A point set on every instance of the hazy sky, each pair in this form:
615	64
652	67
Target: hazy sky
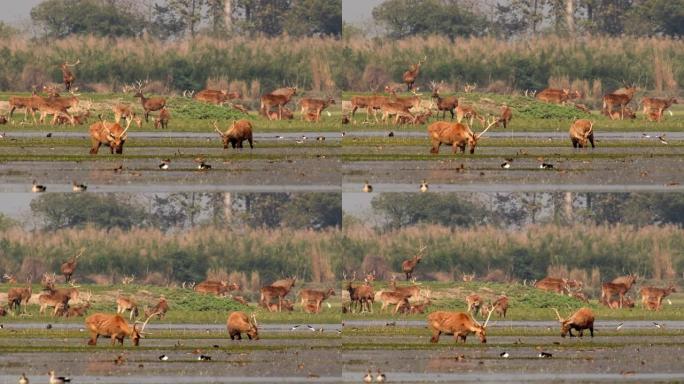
358	10
16	11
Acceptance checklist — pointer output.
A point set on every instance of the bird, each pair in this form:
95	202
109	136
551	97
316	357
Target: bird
380	378
662	139
58	379
49	135
37	188
391	134
49	326
659	325
279	137
391	324
118	169
343	133
203	358
23	379
646	136
78	187
311	328
669	302
299	141
546	166
504	355
368	378
304	137
320	138
505	165
545	355
203	166
423	186
619	327
295	327
367	187
163	357
3	135
164	164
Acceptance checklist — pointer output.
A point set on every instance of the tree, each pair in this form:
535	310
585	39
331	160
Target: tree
520	16
313	210
78	210
188	12
403	209
314	17
262	16
656	17
61	18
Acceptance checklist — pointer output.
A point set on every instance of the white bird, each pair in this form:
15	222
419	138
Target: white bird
37	188
23	379
311	328
662	139
367	187
505	165
204	358
368	378
163	358
380	378
423	186
279	137
659	325
329	114
58	379
504	354
203	166
3	135
619	327
78	187
295	327
546	166
164	164
544	355
669	302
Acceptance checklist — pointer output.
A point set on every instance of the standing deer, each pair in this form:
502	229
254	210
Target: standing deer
474	303
159	309
444	104
506	116
411	75
655	295
619	99
398	299
458	324
125	111
314	106
18	297
69	267
315	297
124	304
619	286
163	119
409	265
67	75
151	104
278	98
279	289
238	132
361	295
656	106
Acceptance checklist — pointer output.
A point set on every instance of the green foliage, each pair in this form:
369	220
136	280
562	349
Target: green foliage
7	222
404	209
184	108
314	18
196	302
62	210
303	210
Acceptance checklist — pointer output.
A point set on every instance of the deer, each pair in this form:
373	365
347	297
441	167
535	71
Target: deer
619	99
474	303
412	290
409	265
581	131
57	298
163	119
553	284
407	102
19	296
655	104
278	289
218	288
361	295
238	323
124	304
500	306
238	132
391	108
315	106
421	307
627	302
655	295
80	310
654	116
26	103
582	319
552	95
409	77
506	116
458	324
211	96
468	112
151	104
370	103
125	111
69	267
398	299
455	134
11	279
278	98
115	327
315	297
111	135
620	286
286	305
469	88
468	278
616	115
285	114
158	309
67	75
444	104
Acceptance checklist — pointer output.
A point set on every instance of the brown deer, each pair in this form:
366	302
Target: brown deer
370	103
315	106
279	289
151	104
314	296
581	131
655	104
163	119
444	104
125	111
218	288
653	116
619	286
619	99
474	302
57	298
412	290
411	75
655	295
124	304
455	134
286	305
400	111
18	297
69	267
211	96
469	88
158	309
616	115
114	327
458	324
501	306
407	266
398	299
26	103
238	132
552	95
579	321
278	98
361	295
553	284
407	102
239	323
11	279
109	134
468	112
82	309
468	278
506	116
67	75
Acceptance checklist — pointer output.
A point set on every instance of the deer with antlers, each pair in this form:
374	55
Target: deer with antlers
82	309
655	295
69	267
398	299
409	77
109	134
455	134
619	286
619	99
239	323
581	132
506	116
151	104
238	132
407	266
125	111
315	297
158	309
124	303
469	88
67	75
115	327
57	297
314	106
579	321
552	95
361	295
444	104
656	107
218	288
458	324
468	112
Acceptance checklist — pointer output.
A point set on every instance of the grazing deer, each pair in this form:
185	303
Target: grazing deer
163	119
581	131
317	297
555	96
444	104
474	303
455	134
619	99
370	103
124	304
278	98
579	321
109	134
18	297
151	104
506	116
315	106
655	295
411	75
553	284
238	132
159	309
458	324
67	75
115	327
239	323
69	267
407	266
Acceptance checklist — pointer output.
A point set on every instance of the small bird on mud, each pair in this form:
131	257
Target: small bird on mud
545	355
164	164
505	165
391	324
659	325
49	135
76	187
662	139
49	326
619	327
423	186
203	166
119	360
204	358
546	166
58	379
368	378
380	378
391	134
504	355
37	188
163	358
23	379
367	187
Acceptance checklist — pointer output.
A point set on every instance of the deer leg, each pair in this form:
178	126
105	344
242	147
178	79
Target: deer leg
591	140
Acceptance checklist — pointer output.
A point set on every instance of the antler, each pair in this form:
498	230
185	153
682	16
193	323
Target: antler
217	128
491	123
148	319
78	61
487	321
254	319
558	314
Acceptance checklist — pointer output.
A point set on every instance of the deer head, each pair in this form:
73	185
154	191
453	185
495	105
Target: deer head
481	329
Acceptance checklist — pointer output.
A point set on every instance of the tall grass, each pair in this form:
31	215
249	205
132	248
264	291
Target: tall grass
531	63
180	65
